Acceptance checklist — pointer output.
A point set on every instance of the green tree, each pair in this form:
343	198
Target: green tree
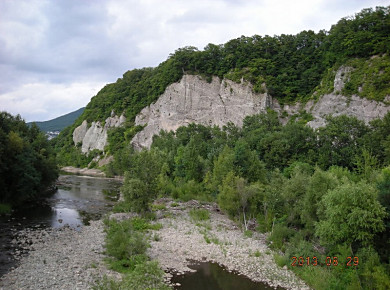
352	215
136	193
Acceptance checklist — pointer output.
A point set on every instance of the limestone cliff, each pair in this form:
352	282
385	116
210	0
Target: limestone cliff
193	100
95	137
336	104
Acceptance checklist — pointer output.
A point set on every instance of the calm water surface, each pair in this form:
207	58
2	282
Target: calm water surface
211	276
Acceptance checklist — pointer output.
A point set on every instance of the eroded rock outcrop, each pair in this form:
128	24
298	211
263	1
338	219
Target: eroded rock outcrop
336	104
193	100
95	137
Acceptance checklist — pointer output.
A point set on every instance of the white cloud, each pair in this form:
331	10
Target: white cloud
53	52
34	100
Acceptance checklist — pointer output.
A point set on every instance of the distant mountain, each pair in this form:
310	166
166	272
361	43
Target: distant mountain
59	123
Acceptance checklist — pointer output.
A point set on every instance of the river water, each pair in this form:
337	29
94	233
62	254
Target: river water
78	200
211	276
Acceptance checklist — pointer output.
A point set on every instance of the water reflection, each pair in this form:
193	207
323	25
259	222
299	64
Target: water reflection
77	200
65	216
211	276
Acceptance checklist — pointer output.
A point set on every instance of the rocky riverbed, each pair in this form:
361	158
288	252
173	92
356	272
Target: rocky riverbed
58	259
217	240
69	259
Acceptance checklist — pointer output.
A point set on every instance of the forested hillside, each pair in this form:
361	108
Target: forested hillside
292	67
59	123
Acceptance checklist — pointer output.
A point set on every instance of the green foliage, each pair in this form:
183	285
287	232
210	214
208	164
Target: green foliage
126	244
136	194
352	214
27	162
199	214
340	141
124	241
369	78
280	235
228	198
373	274
146	275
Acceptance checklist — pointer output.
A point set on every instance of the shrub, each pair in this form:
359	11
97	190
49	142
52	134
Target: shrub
199	214
123	241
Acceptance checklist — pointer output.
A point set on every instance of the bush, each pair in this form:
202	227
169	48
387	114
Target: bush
280	235
146	275
124	241
136	194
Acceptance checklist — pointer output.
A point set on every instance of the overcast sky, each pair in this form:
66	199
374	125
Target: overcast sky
55	55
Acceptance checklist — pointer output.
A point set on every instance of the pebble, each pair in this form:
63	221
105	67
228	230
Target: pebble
58	259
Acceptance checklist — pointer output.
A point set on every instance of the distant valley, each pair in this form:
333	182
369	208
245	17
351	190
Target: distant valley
53	127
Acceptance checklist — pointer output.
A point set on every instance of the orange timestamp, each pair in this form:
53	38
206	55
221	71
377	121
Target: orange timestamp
329	261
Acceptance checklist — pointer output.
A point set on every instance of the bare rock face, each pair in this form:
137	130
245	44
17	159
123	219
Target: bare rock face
342	76
79	132
193	100
335	105
95	137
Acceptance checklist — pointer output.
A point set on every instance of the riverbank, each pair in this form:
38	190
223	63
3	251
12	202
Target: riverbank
59	259
84	171
69	259
217	239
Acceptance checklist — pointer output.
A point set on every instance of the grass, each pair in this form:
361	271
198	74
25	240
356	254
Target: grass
257	254
280	260
248	234
199	214
126	245
156	207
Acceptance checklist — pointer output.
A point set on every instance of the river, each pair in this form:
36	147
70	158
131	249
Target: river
78	200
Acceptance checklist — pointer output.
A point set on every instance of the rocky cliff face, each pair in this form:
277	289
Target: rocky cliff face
222	101
193	100
336	104
95	137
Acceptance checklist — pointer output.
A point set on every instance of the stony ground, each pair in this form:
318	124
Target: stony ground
59	259
70	259
217	240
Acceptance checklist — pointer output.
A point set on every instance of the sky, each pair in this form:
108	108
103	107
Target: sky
55	55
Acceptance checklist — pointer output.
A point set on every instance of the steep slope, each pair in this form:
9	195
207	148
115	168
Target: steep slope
336	72
194	100
59	123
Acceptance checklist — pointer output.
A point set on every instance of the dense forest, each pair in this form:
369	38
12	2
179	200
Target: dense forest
27	161
323	195
293	68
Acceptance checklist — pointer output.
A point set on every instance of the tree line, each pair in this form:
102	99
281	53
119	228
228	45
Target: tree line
290	67
321	193
27	161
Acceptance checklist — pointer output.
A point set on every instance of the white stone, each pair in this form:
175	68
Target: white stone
193	100
95	137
